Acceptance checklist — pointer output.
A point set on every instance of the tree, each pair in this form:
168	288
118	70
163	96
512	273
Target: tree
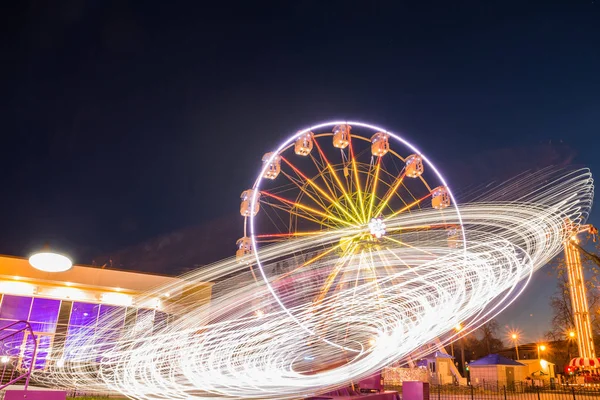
483	341
562	312
489	340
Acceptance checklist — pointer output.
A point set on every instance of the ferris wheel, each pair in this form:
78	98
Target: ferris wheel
341	186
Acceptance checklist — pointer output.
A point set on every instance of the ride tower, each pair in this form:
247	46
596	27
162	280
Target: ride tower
577	290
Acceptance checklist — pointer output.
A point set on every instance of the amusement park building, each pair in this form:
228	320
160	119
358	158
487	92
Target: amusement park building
64	305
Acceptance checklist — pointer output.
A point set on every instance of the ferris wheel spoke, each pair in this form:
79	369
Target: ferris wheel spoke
299	185
312	260
313	184
337	179
278	237
408	245
374	190
373	270
321	167
391	191
417	228
397	257
290	210
307	209
357	183
408	207
334	274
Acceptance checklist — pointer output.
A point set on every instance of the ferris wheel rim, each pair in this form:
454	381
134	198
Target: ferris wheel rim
275	153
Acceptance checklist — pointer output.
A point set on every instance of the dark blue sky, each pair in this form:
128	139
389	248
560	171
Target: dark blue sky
125	120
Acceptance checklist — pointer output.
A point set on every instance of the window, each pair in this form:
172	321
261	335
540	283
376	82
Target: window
84	314
112	317
44	314
15	307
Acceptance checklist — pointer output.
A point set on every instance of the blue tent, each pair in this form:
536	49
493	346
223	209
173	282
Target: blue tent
495	359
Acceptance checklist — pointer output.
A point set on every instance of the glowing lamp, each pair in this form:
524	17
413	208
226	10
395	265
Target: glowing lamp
4	359
117	299
514	336
18	288
50	262
572	334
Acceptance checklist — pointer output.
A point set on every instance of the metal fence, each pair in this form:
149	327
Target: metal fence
511	391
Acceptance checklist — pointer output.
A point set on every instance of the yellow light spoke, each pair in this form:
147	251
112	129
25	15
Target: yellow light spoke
333	274
322	175
358	190
391	191
321	191
408	245
375	280
307	208
414	271
287	235
306	192
337	179
307	263
374	191
408	207
290	210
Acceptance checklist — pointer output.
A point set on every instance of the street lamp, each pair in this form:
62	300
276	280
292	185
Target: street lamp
541	348
514	337
457	328
571	338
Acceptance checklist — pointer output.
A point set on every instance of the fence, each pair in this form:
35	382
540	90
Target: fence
511	391
29	352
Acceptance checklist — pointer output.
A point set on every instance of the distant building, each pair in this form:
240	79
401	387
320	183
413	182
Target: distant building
440	368
495	369
540	369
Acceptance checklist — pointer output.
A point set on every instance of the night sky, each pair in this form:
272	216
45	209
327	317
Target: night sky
123	120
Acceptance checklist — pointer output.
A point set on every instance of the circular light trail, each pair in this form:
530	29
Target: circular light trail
251	344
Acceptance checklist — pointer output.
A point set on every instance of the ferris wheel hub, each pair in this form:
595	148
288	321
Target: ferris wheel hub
377	227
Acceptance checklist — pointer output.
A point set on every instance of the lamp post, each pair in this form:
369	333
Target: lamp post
515	337
539	349
570	338
458	328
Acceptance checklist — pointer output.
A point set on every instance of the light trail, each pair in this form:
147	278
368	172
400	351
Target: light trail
227	350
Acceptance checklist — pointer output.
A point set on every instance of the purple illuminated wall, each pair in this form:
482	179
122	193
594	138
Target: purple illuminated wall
41	313
74	323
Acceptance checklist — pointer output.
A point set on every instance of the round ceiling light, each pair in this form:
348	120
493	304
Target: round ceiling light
50	262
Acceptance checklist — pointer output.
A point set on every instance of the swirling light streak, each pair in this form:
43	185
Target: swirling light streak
225	350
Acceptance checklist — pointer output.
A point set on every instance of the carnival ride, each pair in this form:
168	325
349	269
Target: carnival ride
347	178
579	302
358	261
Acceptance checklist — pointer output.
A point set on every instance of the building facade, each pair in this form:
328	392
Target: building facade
66	308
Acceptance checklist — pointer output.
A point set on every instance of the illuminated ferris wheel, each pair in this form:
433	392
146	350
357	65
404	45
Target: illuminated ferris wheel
341	185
